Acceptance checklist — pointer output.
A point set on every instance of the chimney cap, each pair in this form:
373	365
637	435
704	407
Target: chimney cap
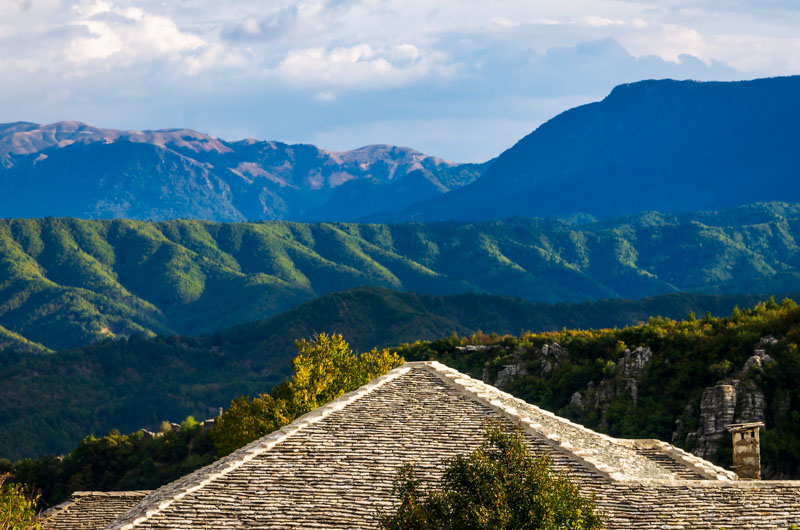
740	427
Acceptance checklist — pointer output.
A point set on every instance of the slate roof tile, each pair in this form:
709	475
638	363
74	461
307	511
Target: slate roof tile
334	467
90	509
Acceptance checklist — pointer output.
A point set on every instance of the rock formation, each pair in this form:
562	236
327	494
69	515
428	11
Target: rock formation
730	401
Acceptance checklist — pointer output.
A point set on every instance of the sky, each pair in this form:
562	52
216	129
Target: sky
459	79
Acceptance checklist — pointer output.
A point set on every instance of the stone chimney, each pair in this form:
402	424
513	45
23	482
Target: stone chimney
746	450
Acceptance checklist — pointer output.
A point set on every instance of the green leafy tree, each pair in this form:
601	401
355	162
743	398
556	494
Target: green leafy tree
189	423
17	508
246	420
325	368
499	486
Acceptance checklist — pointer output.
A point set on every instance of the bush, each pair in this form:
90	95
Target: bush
17	509
499	486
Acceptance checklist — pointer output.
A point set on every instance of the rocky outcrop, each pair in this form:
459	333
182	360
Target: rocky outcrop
508	372
757	361
546	359
634	362
551	356
717	409
730	401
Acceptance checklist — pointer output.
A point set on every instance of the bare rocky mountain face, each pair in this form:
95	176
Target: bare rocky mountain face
73	169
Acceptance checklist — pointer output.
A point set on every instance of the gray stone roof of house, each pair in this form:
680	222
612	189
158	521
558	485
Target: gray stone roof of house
335	467
90	509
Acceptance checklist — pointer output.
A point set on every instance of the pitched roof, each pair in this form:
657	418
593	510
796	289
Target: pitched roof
90	509
334	467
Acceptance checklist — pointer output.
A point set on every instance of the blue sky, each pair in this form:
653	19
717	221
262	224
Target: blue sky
458	79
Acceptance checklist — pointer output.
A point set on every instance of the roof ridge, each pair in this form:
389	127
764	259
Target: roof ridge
57	508
164	496
121	493
700	465
612	458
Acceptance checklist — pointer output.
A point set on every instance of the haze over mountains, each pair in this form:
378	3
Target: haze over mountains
74	169
668	146
131	316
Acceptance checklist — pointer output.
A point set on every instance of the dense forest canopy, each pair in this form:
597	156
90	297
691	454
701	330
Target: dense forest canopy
65	282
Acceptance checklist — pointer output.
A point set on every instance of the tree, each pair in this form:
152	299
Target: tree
247	420
499	486
325	368
17	509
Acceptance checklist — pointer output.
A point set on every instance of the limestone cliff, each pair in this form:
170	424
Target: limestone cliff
701	428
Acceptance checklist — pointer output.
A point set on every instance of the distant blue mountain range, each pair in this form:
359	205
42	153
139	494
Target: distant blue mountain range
77	170
668	146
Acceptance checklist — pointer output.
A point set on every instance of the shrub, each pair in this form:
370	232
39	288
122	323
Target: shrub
17	508
499	486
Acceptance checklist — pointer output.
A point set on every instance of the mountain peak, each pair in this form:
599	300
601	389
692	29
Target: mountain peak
70	168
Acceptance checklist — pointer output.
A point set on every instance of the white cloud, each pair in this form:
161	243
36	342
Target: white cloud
88	9
127	33
229	65
668	41
600	22
503	22
101	42
753	53
360	66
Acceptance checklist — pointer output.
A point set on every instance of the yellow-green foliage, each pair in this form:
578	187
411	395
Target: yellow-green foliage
325	368
246	420
17	508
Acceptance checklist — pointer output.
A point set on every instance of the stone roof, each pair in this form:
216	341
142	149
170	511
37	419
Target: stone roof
335	466
90	509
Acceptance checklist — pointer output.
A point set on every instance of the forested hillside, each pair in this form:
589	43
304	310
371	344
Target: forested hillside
49	402
66	282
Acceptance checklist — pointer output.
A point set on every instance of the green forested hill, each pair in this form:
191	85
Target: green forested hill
49	402
67	282
16	342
